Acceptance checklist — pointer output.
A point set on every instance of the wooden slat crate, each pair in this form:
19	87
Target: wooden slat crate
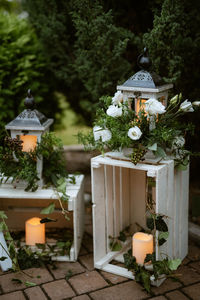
119	191
20	206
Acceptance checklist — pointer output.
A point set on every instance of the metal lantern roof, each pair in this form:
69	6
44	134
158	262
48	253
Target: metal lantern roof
30	119
144	79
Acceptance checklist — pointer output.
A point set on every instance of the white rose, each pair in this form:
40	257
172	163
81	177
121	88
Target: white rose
104	134
178	142
114	111
154	107
186	106
134	133
118	98
196	103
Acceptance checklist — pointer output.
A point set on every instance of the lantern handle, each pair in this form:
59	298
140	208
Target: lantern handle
29	102
143	61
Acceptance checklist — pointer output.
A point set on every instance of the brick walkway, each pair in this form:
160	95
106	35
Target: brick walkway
87	283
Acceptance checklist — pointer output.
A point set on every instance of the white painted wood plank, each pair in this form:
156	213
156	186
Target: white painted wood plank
138	198
177	205
125	194
125	164
78	220
121	206
108	173
117	270
161	204
169	211
98	210
116	200
183	225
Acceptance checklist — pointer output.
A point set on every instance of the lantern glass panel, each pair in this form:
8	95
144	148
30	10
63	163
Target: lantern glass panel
29	142
139	104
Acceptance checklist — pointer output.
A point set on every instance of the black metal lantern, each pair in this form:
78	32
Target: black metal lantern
144	85
29	126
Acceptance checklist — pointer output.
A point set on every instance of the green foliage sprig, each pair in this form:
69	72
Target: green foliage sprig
162	133
22	165
143	275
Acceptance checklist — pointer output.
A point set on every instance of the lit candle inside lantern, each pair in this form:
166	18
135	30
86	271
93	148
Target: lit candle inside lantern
139	105
35	232
142	245
29	142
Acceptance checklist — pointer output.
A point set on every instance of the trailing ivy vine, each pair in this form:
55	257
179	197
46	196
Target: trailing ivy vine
154	223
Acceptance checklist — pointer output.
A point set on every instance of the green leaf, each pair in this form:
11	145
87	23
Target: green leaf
174	263
61	185
163	235
2	258
65	198
130	261
60	244
48	210
28	283
161	242
3	226
181	167
40	246
47	220
160	152
160	224
145	278
116	246
17	280
3	215
68	275
150	223
153	147
72	179
150	257
122	236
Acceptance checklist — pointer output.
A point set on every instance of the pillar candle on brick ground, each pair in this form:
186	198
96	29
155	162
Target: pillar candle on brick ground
35	232
142	244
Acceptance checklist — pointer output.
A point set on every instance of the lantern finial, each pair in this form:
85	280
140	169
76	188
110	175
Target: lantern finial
144	61
29	102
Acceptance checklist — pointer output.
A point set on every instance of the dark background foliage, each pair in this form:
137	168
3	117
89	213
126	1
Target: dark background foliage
22	66
87	47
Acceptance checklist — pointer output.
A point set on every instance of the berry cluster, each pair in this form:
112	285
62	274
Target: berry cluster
13	144
137	155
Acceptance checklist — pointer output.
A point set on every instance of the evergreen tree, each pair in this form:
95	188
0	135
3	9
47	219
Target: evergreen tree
86	50
22	66
174	44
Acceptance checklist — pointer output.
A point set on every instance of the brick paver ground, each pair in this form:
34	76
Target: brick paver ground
87	283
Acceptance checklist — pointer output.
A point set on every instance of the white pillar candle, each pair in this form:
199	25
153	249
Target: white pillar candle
29	142
35	232
142	245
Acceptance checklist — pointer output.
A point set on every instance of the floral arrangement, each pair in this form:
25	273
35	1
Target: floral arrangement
155	128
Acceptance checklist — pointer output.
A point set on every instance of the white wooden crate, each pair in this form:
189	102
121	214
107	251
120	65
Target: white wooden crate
19	206
119	191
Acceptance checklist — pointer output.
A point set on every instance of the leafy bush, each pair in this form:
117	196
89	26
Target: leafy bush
22	66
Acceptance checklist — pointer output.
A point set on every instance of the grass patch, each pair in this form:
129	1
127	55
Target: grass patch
70	126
